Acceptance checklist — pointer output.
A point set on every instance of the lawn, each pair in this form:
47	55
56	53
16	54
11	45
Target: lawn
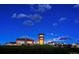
37	49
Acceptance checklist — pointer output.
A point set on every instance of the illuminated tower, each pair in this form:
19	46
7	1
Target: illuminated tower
41	39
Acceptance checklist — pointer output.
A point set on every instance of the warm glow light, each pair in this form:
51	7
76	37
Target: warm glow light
20	42
38	42
29	42
41	42
41	35
41	38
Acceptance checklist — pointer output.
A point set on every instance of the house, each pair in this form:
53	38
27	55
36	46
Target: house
30	41
20	41
52	43
24	41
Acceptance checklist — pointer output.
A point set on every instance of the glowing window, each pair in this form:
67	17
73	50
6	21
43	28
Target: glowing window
41	35
41	42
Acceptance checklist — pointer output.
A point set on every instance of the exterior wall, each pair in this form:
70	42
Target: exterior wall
11	44
18	42
77	45
74	45
41	42
30	42
25	42
41	39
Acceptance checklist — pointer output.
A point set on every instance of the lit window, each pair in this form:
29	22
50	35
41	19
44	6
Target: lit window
41	35
29	42
41	42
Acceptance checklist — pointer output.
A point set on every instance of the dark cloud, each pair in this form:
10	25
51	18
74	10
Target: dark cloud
62	38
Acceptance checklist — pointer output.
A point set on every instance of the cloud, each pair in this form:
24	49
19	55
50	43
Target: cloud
62	19
55	24
76	21
23	37
21	15
28	23
61	38
14	15
49	41
75	6
44	7
55	39
52	34
41	7
59	20
34	17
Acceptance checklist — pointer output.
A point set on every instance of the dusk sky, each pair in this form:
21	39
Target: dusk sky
29	20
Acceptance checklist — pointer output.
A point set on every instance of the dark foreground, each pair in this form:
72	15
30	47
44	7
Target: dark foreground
37	50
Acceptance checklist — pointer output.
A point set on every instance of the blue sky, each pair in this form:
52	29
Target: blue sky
29	20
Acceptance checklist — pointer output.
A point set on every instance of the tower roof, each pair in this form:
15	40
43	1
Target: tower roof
23	39
41	34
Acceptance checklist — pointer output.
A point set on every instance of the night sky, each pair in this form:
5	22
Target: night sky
29	20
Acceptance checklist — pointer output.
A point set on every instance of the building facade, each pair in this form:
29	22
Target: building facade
24	41
41	39
20	41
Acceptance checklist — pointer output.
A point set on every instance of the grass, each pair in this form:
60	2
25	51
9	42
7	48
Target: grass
37	49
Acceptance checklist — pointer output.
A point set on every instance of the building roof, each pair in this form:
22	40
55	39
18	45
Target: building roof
41	34
23	39
11	43
29	40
